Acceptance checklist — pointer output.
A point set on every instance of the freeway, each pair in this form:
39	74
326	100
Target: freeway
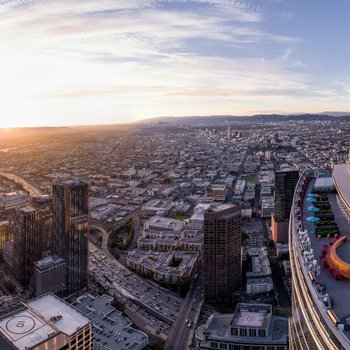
159	306
180	336
105	236
32	191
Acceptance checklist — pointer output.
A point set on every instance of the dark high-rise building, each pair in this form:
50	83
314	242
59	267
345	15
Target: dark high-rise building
222	252
70	230
6	233
285	182
50	275
32	227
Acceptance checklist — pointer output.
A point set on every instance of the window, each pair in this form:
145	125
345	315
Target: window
243	332
234	331
223	346
262	333
214	345
252	332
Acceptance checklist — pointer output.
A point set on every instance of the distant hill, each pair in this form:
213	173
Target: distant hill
267	118
337	114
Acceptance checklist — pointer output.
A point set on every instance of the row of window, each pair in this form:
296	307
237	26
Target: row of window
216	345
244	332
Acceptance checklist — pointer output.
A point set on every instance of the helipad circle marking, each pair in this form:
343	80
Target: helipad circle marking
250	318
20	324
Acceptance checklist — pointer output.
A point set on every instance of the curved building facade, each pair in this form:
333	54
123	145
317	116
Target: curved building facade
341	178
319	301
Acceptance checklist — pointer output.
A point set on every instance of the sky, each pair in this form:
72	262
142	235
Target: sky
73	62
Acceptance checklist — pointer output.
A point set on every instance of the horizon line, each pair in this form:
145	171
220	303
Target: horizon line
325	113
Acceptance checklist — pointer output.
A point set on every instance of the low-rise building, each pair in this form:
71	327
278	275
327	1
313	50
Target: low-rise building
197	219
219	191
112	331
267	207
252	326
286	268
259	279
188	240
13	200
324	184
159	223
169	267
157	207
282	249
240	187
259	285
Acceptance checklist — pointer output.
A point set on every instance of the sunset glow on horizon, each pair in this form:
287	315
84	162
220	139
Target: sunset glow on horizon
83	62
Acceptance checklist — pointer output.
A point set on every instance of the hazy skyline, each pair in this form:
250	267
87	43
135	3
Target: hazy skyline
77	62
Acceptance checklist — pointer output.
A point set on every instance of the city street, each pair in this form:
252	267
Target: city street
181	334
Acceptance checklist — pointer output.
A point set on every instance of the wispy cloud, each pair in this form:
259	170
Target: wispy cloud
148	54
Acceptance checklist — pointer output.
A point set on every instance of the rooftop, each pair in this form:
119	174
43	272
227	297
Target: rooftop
48	262
338	290
26	210
164	223
50	306
341	177
223	207
70	182
27	325
250	315
111	328
247	316
25	329
324	182
250	319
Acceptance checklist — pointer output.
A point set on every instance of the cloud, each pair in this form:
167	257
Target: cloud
151	54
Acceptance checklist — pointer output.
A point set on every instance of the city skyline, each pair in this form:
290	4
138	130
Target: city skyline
165	237
108	62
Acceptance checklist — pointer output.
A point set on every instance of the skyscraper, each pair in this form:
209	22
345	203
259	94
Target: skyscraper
222	251
320	288
31	240
70	230
285	182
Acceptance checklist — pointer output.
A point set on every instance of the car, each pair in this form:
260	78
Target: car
189	325
186	320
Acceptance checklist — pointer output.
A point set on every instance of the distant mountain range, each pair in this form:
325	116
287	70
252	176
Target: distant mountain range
267	118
